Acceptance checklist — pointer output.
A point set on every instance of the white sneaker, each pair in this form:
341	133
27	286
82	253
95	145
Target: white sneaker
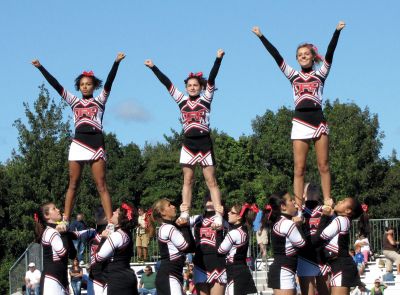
184	216
110	227
217	221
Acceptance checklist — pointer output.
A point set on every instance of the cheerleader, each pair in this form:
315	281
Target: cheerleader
197	147
57	248
209	266
88	143
334	234
286	238
116	253
308	122
311	268
235	245
173	243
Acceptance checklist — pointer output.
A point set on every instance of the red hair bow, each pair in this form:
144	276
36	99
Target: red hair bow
268	208
128	210
317	55
198	74
364	207
252	207
36	217
88	74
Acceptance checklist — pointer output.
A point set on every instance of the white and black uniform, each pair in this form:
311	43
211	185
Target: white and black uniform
94	240
310	258
335	235
195	119
308	85
173	243
88	142
57	248
235	245
286	238
116	253
209	266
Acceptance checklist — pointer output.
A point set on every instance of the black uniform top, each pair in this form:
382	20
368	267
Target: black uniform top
235	243
88	111
307	84
286	238
335	234
195	111
207	239
57	248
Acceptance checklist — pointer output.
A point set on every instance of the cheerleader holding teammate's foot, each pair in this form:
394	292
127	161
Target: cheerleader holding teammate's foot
197	145
88	143
235	245
309	123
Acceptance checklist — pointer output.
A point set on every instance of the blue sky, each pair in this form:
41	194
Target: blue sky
183	36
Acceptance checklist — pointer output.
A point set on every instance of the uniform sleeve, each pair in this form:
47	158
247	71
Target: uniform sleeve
57	244
226	244
317	239
177	238
177	95
111	77
331	230
52	81
295	236
272	50
113	242
210	87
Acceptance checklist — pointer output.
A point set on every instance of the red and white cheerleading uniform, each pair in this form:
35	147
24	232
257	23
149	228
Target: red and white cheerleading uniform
88	142
195	119
308	85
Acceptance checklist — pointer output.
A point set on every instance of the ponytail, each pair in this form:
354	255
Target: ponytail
275	202
40	220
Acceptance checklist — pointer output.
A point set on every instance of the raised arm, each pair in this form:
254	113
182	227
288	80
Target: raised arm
271	48
113	71
215	68
52	81
333	43
163	79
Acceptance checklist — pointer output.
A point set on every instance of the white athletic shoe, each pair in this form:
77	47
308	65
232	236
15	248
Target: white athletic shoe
217	221
110	227
184	216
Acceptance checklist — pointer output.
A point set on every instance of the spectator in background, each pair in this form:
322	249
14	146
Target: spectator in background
390	249
363	243
147	284
32	280
142	238
378	288
76	274
78	225
359	260
388	276
260	226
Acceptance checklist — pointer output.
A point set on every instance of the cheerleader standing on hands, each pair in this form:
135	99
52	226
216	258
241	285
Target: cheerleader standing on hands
173	244
286	238
88	143
57	248
309	122
197	145
235	245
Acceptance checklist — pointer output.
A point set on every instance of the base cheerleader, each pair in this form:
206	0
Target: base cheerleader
197	145
57	248
88	143
173	243
286	239
334	233
116	253
235	245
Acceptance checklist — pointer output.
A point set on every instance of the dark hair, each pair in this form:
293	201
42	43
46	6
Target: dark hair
275	201
363	225
313	191
264	219
356	209
202	81
316	57
97	83
125	222
248	215
40	220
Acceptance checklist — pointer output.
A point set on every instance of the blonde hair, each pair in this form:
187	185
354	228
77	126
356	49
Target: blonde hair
158	207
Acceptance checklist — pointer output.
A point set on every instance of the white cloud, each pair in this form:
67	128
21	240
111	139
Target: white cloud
130	111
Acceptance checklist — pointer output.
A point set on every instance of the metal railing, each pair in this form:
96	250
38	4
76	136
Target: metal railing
16	274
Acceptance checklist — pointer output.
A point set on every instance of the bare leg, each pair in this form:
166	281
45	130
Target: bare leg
217	289
188	180
322	151
99	176
300	151
145	253
340	291
75	172
211	181
322	286
307	285
284	291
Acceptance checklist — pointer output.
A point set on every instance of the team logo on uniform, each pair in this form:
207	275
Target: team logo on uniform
195	116
301	88
85	112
